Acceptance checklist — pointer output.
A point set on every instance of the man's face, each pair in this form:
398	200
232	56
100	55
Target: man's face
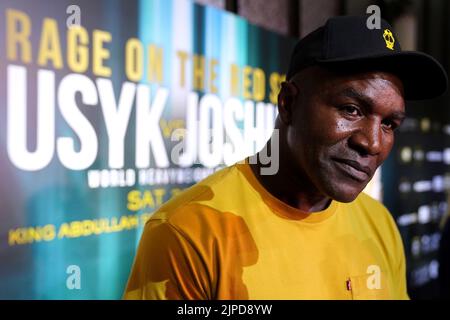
342	128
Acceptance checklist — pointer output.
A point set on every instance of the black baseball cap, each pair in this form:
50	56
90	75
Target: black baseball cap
346	43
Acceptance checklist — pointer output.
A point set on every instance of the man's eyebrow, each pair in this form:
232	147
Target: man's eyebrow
398	115
353	93
368	102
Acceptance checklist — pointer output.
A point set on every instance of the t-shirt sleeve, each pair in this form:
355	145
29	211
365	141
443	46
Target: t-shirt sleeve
399	264
401	292
167	266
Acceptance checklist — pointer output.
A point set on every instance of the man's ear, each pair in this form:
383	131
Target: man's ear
286	98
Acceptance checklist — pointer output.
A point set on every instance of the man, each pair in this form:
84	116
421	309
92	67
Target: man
307	231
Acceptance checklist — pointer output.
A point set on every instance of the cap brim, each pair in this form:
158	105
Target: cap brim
423	76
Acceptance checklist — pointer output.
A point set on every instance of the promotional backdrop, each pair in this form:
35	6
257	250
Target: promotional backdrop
108	109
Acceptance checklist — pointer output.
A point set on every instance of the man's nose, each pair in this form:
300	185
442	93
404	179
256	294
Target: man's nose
367	140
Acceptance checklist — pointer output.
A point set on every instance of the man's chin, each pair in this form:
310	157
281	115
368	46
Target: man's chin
344	193
345	198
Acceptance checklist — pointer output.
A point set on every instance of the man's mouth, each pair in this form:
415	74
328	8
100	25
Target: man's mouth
353	169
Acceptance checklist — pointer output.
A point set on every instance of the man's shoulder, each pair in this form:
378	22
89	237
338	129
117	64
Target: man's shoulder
206	194
375	211
369	203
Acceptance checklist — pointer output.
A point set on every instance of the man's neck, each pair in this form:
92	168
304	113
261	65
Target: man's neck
291	187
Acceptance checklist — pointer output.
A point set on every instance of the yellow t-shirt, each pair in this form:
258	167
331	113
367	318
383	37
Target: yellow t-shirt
229	238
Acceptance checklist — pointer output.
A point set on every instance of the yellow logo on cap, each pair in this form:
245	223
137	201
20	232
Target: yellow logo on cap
389	39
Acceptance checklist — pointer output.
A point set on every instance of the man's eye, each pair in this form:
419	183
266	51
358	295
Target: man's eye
390	125
351	110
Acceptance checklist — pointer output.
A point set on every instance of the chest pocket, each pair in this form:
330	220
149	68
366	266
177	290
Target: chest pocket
369	287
